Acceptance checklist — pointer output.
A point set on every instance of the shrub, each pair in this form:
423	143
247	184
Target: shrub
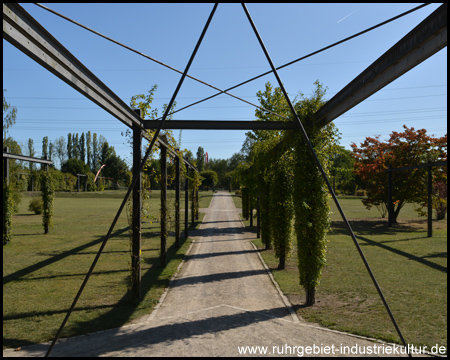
36	205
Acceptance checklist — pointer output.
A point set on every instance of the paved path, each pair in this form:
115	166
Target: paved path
221	299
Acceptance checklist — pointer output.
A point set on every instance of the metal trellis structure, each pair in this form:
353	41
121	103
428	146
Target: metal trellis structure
24	32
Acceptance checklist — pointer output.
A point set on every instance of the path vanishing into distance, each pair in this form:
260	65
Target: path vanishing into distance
222	301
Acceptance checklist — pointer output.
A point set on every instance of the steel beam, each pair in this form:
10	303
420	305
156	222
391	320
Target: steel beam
30	37
222	125
27	158
419	44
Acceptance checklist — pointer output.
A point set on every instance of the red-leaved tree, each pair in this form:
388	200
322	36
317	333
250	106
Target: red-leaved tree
408	148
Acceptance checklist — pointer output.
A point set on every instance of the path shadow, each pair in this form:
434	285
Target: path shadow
165	333
209	255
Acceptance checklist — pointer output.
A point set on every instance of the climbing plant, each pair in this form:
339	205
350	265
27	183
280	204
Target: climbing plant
312	209
48	195
8	209
282	208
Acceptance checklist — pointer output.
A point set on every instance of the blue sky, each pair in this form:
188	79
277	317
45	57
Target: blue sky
228	55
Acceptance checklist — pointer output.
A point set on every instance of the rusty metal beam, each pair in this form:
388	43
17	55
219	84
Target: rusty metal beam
419	44
27	158
222	125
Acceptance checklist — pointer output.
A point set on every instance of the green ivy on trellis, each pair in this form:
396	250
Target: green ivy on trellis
8	209
48	195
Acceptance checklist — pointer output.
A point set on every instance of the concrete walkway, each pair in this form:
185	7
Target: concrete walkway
221	300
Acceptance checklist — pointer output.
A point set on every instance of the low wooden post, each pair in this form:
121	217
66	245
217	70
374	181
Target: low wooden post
163	206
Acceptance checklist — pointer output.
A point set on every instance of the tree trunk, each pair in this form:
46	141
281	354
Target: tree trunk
310	296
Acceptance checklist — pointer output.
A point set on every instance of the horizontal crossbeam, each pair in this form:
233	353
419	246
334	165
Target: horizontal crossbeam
439	163
419	44
27	158
221	125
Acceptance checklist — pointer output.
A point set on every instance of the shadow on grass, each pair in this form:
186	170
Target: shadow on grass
30	269
363	227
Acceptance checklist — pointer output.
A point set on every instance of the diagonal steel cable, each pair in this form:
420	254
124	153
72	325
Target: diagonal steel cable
134	182
307	56
317	161
157	61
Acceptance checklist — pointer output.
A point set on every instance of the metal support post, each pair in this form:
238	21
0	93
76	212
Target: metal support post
430	203
186	205
250	211
390	208
163	206
196	205
177	201
136	217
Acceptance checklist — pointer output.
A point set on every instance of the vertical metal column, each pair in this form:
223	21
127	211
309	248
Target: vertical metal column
163	206
390	209
177	201
136	217
196	205
186	204
250	211
430	207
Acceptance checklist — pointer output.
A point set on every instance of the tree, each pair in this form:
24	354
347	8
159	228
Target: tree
210	179
407	148
82	148
61	149
9	115
44	150
200	159
75	146
88	150
95	153
75	166
31	153
69	146
106	152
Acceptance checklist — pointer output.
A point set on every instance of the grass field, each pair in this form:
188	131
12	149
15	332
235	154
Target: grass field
410	268
43	273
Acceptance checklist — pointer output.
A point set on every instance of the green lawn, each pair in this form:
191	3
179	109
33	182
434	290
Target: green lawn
410	268
43	273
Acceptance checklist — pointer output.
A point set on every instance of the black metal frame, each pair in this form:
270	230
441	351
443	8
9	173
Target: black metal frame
429	191
24	32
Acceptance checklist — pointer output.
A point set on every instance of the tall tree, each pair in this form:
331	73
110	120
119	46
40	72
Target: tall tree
44	149
75	147
51	150
31	153
81	146
200	159
69	146
94	165
88	150
407	148
61	149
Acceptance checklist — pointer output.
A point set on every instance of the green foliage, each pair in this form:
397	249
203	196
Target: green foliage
245	191
210	179
264	191
312	211
8	209
9	115
282	208
200	159
48	195
75	166
36	205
